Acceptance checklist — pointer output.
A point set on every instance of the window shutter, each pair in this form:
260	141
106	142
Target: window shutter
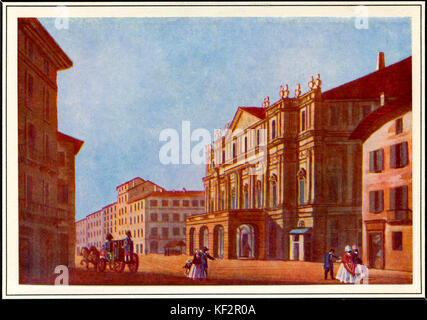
380	200
393	156
404	200
372	161
392	199
381	159
404	154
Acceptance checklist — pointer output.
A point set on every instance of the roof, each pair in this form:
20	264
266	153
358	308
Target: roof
77	143
379	117
137	178
394	80
49	43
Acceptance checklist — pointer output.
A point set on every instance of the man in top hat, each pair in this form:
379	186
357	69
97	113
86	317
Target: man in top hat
128	246
329	263
205	257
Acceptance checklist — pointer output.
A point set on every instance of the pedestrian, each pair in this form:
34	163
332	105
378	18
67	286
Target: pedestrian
356	257
346	271
196	266
361	271
128	247
329	263
205	257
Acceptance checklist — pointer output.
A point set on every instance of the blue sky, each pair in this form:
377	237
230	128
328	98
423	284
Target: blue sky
134	77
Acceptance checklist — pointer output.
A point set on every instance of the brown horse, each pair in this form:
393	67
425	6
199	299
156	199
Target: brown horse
90	256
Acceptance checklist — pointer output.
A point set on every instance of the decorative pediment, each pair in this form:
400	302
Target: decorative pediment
245	117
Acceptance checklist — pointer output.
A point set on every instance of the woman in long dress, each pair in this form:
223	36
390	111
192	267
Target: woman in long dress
346	271
196	272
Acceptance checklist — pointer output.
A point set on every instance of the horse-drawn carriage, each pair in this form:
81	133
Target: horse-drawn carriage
115	259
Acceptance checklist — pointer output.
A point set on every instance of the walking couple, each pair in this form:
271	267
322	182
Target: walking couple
199	266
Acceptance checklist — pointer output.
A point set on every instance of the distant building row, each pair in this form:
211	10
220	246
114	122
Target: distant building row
155	217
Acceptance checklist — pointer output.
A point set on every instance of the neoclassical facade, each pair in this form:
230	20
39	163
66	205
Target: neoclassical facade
284	179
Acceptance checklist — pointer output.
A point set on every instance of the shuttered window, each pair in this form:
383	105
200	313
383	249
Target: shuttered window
399	198
399	155
376	201
376	160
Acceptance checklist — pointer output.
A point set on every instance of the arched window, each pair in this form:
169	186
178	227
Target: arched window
274	191
246	195
203	237
245	241
218	249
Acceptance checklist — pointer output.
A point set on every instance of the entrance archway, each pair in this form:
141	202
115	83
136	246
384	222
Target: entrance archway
245	243
218	249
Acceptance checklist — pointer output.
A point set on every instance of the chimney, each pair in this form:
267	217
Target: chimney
381	61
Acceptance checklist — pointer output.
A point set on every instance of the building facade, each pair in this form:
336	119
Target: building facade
154	216
387	180
46	157
284	180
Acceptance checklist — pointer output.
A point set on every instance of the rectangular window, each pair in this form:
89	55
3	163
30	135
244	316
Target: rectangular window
397	240
165	233
175	203
153	203
186	203
376	201
165	217
194	203
399	126
399	155
376	160
153	217
176	231
223	156
175	217
399	198
202	203
165	203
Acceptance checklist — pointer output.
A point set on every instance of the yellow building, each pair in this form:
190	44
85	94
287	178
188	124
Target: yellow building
154	216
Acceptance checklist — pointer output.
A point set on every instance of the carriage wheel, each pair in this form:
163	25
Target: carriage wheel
102	264
118	266
133	265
